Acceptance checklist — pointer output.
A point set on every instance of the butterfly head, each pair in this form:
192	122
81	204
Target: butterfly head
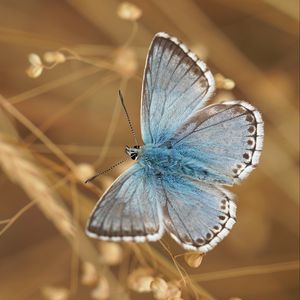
133	151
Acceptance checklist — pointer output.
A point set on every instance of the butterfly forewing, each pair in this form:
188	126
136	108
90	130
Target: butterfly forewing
176	83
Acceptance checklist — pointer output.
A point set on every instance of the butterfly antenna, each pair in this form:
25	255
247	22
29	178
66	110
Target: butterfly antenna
127	116
105	171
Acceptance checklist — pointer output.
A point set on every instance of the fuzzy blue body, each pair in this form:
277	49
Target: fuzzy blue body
163	161
166	162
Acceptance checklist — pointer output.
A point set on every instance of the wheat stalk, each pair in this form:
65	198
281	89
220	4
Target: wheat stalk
18	164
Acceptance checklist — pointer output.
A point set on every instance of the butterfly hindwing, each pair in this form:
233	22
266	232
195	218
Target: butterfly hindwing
196	214
175	84
225	141
128	210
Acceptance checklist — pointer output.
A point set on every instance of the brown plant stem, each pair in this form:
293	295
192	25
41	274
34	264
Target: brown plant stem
21	168
247	271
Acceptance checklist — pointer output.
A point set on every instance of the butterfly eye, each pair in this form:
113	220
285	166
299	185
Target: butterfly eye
134	156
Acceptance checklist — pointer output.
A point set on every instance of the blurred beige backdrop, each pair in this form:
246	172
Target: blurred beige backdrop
75	104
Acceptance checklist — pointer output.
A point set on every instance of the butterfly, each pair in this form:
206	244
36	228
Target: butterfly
190	152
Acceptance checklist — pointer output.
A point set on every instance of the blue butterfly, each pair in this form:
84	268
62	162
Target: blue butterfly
189	153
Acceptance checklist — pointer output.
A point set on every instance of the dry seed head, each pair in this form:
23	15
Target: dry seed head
84	171
126	62
224	83
174	290
101	292
55	293
89	274
128	11
34	59
160	288
140	280
34	71
111	253
54	57
193	259
36	66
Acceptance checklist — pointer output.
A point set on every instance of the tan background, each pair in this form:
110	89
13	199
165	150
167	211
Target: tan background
255	43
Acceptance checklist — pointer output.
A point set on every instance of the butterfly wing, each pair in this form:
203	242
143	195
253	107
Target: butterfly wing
224	140
196	214
128	210
175	84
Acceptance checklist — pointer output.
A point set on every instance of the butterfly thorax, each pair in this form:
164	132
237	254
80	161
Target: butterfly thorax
160	160
164	160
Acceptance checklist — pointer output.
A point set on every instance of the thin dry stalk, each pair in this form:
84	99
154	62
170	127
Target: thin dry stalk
71	105
27	123
247	271
19	166
25	38
170	271
112	125
12	220
77	150
49	86
75	246
4	221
